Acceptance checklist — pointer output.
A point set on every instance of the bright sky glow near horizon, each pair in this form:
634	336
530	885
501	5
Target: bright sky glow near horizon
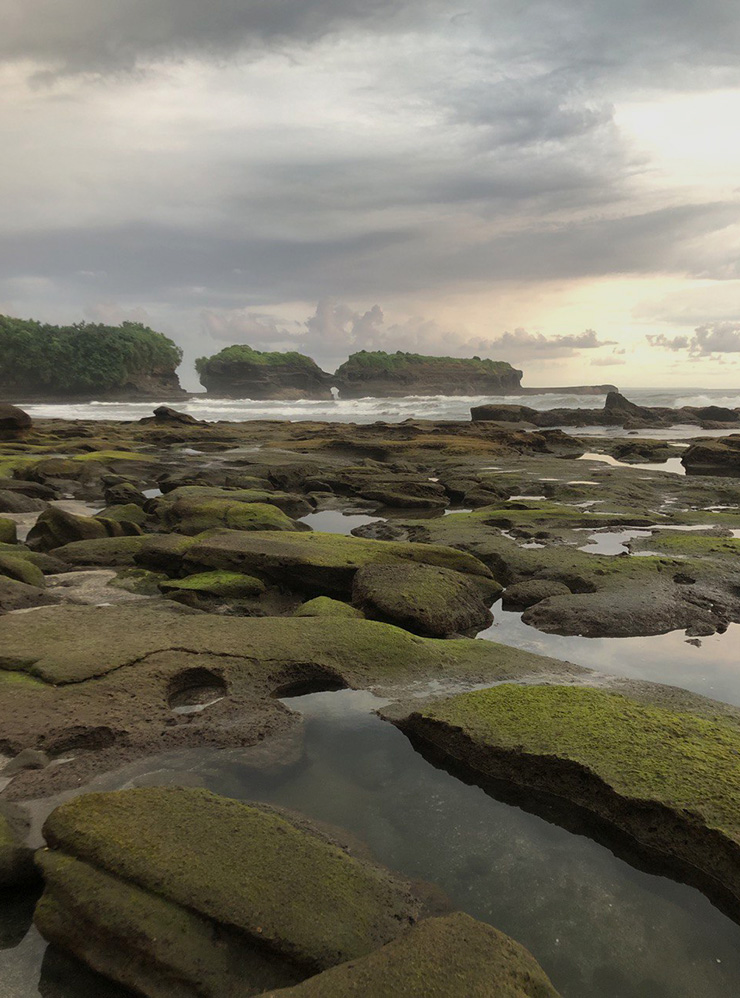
554	183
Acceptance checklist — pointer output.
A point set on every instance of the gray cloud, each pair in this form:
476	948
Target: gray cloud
707	341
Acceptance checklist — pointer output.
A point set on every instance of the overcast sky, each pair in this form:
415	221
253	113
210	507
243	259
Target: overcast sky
551	182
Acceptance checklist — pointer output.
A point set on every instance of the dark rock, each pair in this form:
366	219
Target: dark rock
17	502
16	859
14	422
167	415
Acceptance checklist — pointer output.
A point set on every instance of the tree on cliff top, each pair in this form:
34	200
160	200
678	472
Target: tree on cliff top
241	353
83	356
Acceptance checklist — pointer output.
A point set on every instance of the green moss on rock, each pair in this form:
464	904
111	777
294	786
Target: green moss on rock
8	533
325	606
248	869
22	570
190	516
226	584
101	551
324	563
451	957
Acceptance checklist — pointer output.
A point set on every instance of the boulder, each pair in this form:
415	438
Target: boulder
14	422
19	596
16	502
8	531
21	569
289	503
55	528
283	900
522	595
452	957
720	456
425	599
617	409
167	415
499	413
101	551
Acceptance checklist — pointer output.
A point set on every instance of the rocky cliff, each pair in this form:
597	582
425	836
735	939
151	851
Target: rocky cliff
241	372
382	374
84	362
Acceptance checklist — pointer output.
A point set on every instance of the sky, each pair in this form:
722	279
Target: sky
555	183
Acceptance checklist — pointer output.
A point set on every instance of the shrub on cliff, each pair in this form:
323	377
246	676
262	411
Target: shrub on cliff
378	364
240	353
80	357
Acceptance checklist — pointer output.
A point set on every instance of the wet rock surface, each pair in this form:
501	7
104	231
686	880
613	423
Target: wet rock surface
223	601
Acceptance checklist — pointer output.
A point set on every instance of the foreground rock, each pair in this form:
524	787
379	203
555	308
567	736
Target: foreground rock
452	957
666	774
424	599
105	684
283	900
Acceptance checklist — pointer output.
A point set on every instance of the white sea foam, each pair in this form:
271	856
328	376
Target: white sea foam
369	410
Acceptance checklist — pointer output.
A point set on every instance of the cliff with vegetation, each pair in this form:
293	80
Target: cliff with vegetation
393	374
86	361
241	372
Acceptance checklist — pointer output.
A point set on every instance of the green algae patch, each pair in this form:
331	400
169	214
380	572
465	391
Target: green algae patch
451	957
643	752
8	532
684	544
325	606
226	584
241	867
124	513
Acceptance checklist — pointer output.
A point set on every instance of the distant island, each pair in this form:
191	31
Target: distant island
242	372
130	362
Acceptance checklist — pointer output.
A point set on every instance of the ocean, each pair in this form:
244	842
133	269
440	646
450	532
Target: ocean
390	410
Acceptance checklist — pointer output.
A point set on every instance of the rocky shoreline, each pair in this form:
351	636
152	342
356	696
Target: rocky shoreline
162	588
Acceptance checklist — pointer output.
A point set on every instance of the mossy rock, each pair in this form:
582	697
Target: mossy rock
451	957
140	581
668	778
289	503
127	513
425	599
101	551
275	881
191	516
8	532
325	606
165	552
49	564
20	596
56	527
22	570
323	563
74	643
226	584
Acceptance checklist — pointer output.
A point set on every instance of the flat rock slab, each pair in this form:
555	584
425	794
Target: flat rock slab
669	777
451	957
102	682
258	876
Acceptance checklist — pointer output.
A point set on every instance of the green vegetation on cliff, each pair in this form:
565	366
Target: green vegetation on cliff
241	353
378	364
85	356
